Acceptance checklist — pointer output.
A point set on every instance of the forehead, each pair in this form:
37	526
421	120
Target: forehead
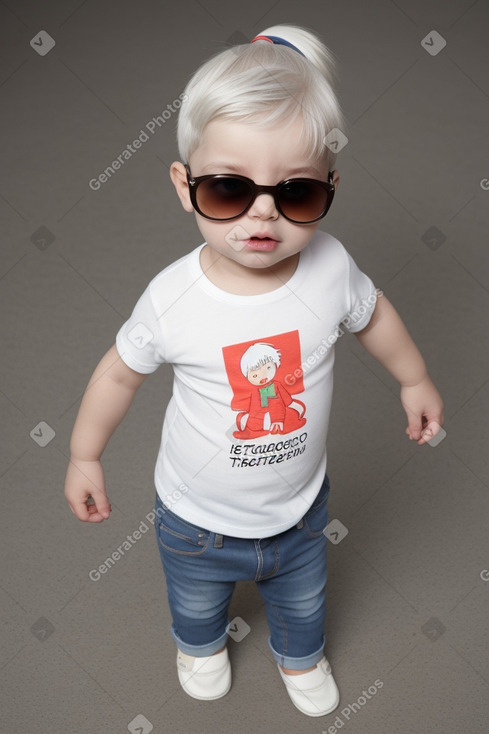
249	147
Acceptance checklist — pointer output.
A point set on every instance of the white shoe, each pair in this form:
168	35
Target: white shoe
314	693
205	678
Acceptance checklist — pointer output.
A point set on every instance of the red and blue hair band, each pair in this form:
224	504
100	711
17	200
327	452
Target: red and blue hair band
278	41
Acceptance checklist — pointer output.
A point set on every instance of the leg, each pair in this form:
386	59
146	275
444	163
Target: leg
199	613
296	610
198	595
199	600
295	594
295	601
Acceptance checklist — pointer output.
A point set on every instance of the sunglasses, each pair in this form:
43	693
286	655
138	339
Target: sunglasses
225	196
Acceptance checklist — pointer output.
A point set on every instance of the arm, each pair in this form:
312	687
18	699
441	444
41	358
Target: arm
388	341
107	399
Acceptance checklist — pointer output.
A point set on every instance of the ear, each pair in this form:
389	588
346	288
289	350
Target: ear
178	175
336	179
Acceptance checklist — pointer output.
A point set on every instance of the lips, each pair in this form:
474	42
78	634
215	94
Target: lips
263	235
262	242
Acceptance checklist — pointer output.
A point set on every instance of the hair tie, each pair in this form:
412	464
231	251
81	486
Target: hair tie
278	41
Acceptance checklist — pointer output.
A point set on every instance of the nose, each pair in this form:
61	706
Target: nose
263	207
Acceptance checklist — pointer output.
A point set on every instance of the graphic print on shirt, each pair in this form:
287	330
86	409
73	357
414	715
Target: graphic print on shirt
256	371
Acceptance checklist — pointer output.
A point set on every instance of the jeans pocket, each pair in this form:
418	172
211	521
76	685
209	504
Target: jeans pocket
179	536
316	518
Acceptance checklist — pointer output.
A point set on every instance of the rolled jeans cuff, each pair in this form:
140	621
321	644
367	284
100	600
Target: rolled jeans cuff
199	651
298	663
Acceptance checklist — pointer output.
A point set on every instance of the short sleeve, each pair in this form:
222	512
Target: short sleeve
362	297
139	340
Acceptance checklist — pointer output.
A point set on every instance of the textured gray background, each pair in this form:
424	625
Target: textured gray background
407	603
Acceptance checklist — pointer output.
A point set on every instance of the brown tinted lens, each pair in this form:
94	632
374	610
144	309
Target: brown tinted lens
223	198
302	201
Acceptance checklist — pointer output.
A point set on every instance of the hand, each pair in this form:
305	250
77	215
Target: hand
85	490
424	410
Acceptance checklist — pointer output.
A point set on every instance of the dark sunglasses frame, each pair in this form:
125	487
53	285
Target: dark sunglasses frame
193	183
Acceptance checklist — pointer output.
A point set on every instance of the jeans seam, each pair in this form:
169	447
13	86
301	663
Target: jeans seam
183	553
277	563
259	555
284	630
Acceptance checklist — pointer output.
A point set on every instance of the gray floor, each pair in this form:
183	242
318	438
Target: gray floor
408	585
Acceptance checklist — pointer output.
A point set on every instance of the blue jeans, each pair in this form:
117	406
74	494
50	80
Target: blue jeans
202	567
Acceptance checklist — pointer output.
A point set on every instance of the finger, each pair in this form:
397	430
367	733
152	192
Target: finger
80	511
98	515
95	517
414	430
429	432
89	511
415	422
99	505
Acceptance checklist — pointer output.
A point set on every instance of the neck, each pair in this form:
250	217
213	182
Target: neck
240	280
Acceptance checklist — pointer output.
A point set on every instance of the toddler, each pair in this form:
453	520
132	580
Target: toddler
248	321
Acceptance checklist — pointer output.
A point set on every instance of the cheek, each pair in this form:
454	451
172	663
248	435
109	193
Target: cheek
213	232
204	226
308	230
302	234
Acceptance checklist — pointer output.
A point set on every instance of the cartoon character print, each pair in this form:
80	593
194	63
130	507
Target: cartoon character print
264	403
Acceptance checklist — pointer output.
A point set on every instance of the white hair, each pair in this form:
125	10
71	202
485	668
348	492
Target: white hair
265	84
258	355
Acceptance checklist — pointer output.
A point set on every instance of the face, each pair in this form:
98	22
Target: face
261	238
262	374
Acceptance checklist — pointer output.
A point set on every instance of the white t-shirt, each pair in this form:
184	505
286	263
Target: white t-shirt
243	448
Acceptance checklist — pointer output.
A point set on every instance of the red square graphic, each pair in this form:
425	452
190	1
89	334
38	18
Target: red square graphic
265	375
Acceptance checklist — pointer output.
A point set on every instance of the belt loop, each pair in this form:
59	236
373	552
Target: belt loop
218	541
